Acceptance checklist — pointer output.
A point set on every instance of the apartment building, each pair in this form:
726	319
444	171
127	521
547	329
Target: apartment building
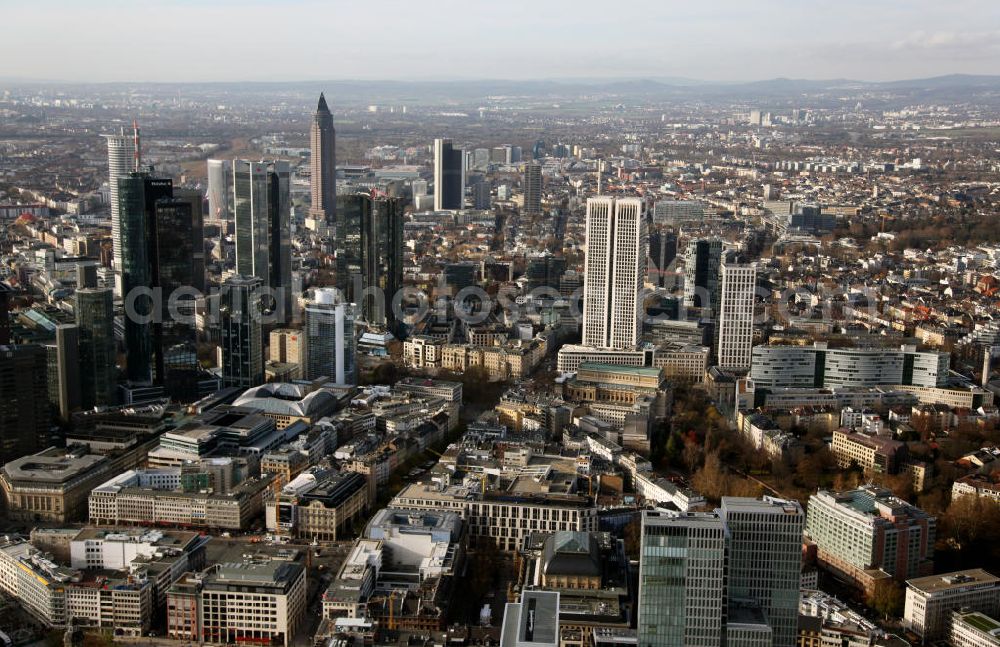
871	453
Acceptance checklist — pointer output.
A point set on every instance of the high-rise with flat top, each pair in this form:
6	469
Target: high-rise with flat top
449	175
735	346
242	331
614	271
532	188
323	164
682	588
765	562
262	206
330	343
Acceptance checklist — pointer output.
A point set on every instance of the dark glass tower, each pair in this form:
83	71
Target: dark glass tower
98	374
242	332
262	206
25	413
370	255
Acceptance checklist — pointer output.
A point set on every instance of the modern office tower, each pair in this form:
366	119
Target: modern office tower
614	271
242	330
931	600
682	592
123	158
544	270
323	164
819	366
94	311
138	195
739	282
702	265
220	191
662	253
859	532
679	212
262	207
25	413
458	276
481	195
449	176
6	294
532	622
64	380
538	150
330	342
197	234
370	255
532	188
765	560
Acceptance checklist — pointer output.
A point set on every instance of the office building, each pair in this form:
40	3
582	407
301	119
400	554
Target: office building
64	385
323	164
662	256
532	188
94	310
138	195
241	332
931	600
739	282
25	413
196	232
614	271
123	158
702	281
871	453
251	602
319	507
262	216
481	195
220	192
765	562
973	629
330	338
817	366
679	212
6	293
682	589
544	271
532	622
370	255
449	176
52	485
867	535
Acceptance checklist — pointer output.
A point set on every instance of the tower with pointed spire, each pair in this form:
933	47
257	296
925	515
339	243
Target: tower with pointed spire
323	165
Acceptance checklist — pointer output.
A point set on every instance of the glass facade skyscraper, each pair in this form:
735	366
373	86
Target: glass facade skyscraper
98	374
330	338
262	208
242	331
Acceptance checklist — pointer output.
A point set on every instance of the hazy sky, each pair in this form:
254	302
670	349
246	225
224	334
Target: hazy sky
256	40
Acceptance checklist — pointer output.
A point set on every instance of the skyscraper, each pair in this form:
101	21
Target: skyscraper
196	231
262	207
702	263
64	376
532	188
544	270
614	270
330	343
242	331
682	593
122	159
138	194
765	560
6	293
25	413
662	253
735	345
449	176
98	375
220	191
370	255
323	164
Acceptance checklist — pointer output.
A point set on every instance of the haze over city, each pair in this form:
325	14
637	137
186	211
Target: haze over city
727	40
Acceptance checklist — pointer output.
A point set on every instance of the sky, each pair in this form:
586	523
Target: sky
299	40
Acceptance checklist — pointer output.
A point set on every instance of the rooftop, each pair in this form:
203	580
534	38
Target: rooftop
951	581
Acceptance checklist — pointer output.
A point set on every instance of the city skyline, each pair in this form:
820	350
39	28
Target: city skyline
693	42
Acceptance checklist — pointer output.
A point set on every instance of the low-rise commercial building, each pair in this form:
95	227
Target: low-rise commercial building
931	600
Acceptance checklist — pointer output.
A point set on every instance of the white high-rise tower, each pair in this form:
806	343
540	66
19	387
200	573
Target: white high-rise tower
736	315
614	269
123	158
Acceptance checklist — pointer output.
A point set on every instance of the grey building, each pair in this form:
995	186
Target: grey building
242	332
